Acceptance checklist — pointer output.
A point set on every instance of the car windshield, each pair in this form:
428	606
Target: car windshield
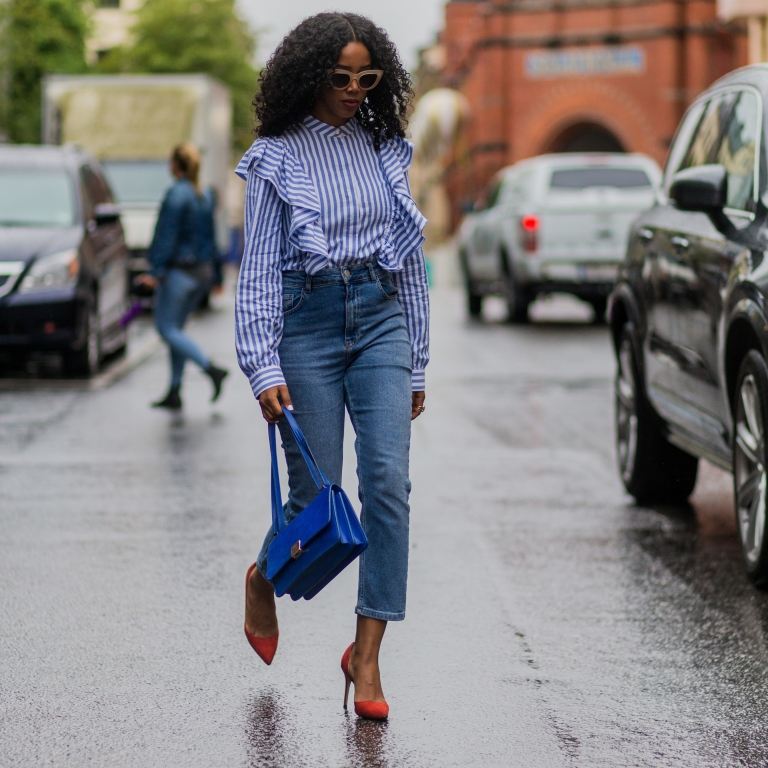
142	181
583	178
36	197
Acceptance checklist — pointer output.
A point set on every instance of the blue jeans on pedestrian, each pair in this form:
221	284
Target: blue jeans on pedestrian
178	295
345	346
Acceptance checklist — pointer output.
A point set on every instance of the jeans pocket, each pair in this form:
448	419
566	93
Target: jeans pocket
293	298
386	285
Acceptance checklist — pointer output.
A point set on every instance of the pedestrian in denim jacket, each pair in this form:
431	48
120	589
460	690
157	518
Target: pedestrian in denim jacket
332	308
181	260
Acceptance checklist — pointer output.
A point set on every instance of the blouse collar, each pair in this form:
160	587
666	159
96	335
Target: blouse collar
324	129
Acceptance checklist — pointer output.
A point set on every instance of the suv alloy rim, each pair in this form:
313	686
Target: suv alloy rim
749	469
626	410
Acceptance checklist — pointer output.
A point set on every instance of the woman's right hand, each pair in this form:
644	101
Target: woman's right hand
272	402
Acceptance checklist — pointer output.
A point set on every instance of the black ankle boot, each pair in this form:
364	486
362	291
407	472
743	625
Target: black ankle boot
217	376
172	401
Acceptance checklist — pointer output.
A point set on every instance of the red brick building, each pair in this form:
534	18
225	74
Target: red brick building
557	75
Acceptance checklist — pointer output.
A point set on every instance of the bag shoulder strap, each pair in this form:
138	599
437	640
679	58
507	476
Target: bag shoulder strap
317	474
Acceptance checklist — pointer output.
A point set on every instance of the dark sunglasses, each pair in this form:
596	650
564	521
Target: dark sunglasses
367	80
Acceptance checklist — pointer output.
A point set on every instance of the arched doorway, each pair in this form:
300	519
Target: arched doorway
586	137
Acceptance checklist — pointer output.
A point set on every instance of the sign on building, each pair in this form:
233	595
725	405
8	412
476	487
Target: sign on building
578	62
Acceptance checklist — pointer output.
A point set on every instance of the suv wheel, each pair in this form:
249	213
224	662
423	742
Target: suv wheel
750	458
85	360
598	307
652	469
518	299
474	299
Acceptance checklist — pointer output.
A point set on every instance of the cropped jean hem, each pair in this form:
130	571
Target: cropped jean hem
383	615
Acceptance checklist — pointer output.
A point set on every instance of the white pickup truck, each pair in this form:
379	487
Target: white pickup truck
553	223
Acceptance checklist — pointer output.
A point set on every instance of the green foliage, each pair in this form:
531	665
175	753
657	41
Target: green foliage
206	36
37	37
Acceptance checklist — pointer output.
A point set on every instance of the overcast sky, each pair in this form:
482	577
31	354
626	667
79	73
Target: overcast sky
411	24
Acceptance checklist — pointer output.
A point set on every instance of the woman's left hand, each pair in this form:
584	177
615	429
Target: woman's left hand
417	404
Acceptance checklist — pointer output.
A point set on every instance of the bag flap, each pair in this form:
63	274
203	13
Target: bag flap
306	526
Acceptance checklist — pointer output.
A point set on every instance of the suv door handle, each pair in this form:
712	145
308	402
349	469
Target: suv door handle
645	234
681	243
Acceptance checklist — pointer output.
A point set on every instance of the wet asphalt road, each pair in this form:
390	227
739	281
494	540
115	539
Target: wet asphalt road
550	622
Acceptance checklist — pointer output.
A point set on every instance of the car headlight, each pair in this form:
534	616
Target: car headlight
55	271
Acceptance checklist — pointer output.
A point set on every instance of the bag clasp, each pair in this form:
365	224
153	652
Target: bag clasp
296	550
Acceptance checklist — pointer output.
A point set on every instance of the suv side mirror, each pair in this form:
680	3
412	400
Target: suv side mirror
106	213
703	188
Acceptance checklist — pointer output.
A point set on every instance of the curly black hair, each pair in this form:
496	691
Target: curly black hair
297	72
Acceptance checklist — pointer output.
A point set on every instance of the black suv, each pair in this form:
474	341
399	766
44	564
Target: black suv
689	314
63	258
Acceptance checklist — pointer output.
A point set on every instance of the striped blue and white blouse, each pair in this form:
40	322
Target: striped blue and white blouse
321	196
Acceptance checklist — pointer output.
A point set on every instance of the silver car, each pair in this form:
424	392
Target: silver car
554	223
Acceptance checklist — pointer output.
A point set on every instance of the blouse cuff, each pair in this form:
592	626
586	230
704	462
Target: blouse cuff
264	378
418	381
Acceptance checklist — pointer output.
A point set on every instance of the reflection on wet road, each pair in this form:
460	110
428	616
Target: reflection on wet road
550	623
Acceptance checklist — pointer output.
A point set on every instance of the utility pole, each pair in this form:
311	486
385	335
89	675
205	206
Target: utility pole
755	12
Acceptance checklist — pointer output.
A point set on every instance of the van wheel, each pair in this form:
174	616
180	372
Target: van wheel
652	469
750	459
85	360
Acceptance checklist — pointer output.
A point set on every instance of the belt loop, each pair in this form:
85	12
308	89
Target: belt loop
372	271
307	282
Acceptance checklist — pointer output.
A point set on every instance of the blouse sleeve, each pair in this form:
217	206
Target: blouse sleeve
413	294
413	287
258	305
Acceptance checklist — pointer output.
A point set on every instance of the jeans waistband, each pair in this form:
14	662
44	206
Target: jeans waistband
345	275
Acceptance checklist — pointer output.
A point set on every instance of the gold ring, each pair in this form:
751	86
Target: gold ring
422	408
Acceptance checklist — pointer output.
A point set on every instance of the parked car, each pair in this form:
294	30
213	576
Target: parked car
689	314
554	223
63	258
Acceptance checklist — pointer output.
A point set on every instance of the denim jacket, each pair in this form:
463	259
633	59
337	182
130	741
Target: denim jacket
184	233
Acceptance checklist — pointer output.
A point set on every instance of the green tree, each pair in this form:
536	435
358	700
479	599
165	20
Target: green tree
37	37
205	36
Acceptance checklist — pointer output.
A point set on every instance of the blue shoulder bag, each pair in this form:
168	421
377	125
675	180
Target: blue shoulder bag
322	540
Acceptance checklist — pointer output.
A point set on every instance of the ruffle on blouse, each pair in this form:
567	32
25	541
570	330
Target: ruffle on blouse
406	231
273	160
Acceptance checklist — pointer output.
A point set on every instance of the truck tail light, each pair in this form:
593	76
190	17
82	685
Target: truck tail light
529	229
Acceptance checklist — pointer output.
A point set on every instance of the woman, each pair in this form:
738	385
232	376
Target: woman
181	256
332	304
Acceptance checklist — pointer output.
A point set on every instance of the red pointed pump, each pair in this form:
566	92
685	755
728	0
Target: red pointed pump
266	647
369	710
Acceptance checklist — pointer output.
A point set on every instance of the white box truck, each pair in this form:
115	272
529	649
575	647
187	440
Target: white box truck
131	123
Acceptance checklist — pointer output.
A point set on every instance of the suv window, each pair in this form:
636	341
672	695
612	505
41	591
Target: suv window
736	151
94	189
726	134
584	178
490	195
682	141
517	187
703	147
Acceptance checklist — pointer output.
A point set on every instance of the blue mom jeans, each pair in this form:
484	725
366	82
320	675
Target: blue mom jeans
178	295
345	346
